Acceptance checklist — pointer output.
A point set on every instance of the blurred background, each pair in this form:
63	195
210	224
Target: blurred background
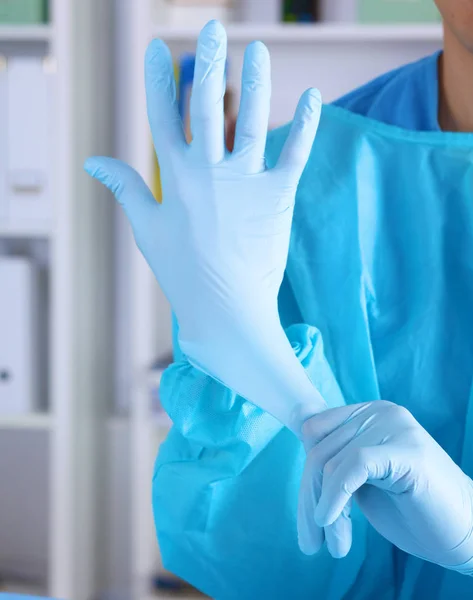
84	330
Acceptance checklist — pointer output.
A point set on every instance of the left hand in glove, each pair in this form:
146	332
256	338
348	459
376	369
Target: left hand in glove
406	485
219	242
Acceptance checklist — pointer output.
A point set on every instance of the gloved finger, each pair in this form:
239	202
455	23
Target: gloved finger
253	117
207	115
338	536
311	537
126	185
319	427
163	111
353	467
296	151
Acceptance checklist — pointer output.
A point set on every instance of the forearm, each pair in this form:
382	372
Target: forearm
210	416
263	369
226	474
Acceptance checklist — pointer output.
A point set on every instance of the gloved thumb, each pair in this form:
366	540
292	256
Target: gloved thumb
126	185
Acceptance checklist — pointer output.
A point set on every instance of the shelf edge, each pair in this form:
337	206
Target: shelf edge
26	422
324	33
25	33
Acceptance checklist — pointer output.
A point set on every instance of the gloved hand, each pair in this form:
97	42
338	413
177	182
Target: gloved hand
406	485
218	244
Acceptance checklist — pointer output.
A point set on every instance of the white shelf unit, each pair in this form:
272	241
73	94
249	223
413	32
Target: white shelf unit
23	589
337	59
79	238
29	230
303	33
31	422
26	33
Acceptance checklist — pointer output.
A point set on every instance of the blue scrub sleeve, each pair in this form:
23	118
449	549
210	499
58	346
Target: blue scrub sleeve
226	484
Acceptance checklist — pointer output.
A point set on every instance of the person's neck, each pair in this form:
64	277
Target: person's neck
456	86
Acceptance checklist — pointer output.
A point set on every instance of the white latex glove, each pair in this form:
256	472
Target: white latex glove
218	244
407	486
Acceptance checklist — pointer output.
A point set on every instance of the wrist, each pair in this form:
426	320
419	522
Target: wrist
230	326
258	363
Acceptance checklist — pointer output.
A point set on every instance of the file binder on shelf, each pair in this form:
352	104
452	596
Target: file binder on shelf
3	139
29	139
341	11
19	350
269	11
193	13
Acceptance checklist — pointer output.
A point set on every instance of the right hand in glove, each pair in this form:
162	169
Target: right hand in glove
218	244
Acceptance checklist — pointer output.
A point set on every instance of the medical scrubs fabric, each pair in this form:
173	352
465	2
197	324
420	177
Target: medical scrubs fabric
378	304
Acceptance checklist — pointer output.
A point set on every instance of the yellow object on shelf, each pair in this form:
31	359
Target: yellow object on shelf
157	187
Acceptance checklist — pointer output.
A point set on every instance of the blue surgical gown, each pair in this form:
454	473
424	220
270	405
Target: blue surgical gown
381	270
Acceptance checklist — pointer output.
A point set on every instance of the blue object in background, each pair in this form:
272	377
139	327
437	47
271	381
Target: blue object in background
186	78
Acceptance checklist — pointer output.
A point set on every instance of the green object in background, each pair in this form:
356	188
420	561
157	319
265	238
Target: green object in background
300	11
23	12
289	14
398	11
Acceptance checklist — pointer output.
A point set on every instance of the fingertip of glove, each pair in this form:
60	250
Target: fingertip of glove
156	52
309	108
258	50
212	38
307	548
321	522
107	171
321	519
314	98
214	27
91	166
339	553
